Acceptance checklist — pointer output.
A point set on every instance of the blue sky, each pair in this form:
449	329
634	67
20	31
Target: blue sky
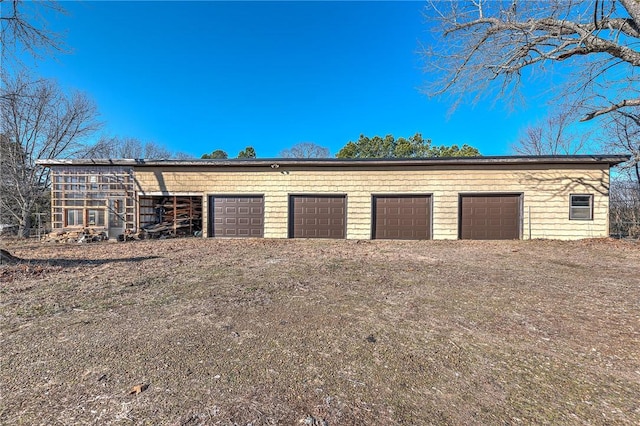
200	76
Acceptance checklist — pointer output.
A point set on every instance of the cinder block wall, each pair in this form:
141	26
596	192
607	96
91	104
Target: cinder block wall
545	189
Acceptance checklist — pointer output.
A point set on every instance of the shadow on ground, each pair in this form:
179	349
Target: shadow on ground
79	262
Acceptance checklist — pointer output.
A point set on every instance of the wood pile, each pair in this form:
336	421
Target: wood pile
87	235
180	216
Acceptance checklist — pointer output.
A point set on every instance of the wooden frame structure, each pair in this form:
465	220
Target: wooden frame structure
100	198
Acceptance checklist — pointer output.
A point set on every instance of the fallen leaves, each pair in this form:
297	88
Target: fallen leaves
23	271
135	390
383	332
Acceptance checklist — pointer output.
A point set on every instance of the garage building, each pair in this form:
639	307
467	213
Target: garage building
559	197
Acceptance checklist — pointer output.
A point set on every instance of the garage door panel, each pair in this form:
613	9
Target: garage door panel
402	217
317	216
239	216
490	217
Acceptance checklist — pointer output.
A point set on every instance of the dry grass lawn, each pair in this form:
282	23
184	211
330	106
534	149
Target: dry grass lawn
321	332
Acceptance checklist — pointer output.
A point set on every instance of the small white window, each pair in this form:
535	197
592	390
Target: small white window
581	207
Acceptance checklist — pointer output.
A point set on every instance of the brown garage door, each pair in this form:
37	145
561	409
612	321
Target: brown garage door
402	217
236	216
490	217
317	216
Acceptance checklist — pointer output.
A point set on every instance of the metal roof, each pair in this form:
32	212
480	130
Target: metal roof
611	159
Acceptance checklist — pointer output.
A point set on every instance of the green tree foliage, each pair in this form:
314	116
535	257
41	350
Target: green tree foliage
248	152
455	151
413	147
217	154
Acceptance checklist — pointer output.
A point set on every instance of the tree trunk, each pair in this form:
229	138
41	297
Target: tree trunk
25	223
6	257
633	7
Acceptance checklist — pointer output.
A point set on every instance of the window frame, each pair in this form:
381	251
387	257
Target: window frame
98	214
78	221
589	207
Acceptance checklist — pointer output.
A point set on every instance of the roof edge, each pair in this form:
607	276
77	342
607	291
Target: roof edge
611	159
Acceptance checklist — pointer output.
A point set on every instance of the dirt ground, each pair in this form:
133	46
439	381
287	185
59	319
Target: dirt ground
321	332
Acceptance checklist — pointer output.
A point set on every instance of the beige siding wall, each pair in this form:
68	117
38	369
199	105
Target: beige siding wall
545	192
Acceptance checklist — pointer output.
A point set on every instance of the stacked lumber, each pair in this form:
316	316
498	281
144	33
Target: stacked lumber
168	225
179	218
87	235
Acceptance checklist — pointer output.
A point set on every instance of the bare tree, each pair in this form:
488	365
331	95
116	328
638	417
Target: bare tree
489	42
117	147
180	155
37	121
555	135
23	28
622	134
624	207
305	150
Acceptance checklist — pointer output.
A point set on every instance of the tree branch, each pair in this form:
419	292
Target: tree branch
615	107
505	40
